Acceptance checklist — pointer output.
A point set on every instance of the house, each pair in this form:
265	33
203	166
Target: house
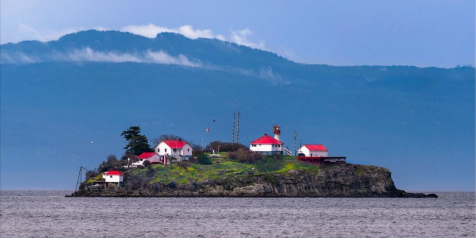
318	154
314	150
178	149
267	145
152	157
113	176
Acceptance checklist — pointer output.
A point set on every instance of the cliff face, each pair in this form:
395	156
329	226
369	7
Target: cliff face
334	181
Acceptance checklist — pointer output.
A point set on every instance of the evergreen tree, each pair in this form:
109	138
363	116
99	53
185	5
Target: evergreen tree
137	143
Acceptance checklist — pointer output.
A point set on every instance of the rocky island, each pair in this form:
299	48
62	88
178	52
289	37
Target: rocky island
271	177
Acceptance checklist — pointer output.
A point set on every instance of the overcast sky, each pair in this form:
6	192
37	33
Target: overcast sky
405	32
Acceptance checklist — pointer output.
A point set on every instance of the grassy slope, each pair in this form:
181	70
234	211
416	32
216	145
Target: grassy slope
220	168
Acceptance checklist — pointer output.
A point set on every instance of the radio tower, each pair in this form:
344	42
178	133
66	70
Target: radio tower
295	151
233	130
238	129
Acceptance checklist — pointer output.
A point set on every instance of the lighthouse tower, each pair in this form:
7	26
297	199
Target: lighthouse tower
277	132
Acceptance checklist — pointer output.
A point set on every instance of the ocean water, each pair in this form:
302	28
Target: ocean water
50	214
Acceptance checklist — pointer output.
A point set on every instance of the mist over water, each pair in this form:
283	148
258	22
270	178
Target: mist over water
50	214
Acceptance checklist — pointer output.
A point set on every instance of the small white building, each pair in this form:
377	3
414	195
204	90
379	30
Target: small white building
316	150
113	176
152	157
179	149
267	145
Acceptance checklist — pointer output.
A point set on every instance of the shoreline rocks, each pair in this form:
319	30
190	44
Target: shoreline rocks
346	180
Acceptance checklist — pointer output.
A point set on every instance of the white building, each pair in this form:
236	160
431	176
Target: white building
113	176
316	150
152	157
267	145
178	149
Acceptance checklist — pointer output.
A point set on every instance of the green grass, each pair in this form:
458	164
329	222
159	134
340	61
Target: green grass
222	167
99	176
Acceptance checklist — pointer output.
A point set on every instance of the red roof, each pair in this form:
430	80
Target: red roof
175	144
319	147
146	155
113	172
266	140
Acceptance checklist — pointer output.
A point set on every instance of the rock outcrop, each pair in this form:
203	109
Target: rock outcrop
346	180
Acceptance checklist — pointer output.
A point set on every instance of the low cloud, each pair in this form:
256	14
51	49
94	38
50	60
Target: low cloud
267	73
163	58
89	55
152	30
18	58
240	37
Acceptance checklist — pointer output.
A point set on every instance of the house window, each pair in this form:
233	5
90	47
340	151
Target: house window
110	176
165	150
158	150
188	149
175	150
253	145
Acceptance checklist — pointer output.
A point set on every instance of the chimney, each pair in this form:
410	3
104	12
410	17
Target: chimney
277	132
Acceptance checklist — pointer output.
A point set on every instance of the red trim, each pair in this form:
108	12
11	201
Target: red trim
113	172
175	144
266	140
316	147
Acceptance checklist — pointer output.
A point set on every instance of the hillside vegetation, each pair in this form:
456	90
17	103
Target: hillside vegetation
185	172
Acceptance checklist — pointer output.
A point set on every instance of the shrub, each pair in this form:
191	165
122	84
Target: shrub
204	159
232	156
184	164
146	163
244	156
192	160
269	164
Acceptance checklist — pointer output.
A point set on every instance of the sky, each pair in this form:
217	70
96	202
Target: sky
423	33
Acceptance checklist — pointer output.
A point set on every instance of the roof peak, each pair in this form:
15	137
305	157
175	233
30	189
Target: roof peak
266	139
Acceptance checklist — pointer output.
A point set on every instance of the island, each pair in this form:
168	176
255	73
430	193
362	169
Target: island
270	177
177	168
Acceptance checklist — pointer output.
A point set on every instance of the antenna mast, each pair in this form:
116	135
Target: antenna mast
238	130
233	130
295	150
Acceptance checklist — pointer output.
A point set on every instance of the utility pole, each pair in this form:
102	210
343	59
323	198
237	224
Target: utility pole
238	130
233	130
295	150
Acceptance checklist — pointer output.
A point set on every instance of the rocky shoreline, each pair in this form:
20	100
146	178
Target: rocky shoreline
346	180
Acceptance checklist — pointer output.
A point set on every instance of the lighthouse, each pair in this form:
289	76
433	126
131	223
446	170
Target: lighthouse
277	132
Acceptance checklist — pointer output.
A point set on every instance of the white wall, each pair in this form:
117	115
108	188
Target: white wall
113	178
186	150
314	153
266	147
161	147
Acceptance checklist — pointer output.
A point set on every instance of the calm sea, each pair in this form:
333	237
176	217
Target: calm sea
50	214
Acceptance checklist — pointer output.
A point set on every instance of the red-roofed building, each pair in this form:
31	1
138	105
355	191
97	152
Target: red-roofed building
267	145
314	150
113	176
178	149
152	157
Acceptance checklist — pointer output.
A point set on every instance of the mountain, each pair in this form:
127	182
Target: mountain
58	96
